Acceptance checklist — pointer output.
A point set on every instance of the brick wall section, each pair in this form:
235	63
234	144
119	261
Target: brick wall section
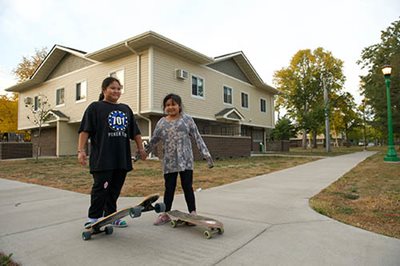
282	145
219	147
48	140
13	150
225	147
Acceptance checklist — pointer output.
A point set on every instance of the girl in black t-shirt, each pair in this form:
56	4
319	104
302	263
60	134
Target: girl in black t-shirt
110	126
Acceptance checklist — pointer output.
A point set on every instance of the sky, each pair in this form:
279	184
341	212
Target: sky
268	32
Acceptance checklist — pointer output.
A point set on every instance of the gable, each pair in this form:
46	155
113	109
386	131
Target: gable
234	116
229	114
67	64
230	68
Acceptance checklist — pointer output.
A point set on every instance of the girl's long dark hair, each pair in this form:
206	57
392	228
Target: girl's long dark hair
106	82
174	97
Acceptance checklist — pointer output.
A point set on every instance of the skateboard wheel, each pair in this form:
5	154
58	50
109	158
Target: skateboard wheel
86	235
159	207
109	230
173	223
135	212
207	234
220	231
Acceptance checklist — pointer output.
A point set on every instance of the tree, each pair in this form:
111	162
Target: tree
28	66
39	108
345	117
301	85
8	113
284	130
372	60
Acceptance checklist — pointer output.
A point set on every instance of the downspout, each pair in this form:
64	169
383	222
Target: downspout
139	87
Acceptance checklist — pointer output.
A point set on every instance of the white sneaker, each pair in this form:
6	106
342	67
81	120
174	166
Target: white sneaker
162	219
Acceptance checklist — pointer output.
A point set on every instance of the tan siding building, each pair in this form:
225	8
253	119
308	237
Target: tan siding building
226	97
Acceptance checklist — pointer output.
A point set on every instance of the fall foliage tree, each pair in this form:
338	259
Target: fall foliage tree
8	113
301	85
28	66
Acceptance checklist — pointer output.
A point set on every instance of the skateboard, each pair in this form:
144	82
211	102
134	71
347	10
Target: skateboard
104	225
210	225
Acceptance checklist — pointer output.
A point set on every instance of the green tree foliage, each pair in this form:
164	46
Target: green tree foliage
284	130
372	59
344	116
8	113
302	84
28	66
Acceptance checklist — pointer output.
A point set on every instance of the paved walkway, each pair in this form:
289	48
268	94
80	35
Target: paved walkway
267	222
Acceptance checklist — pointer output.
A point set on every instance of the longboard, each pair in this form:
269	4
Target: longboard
104	225
210	225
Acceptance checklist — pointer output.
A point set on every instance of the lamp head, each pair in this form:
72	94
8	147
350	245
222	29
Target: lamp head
387	70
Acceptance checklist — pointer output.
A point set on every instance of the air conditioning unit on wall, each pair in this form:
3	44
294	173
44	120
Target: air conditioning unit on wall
182	74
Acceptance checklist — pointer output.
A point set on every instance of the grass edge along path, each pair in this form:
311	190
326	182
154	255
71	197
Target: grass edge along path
367	197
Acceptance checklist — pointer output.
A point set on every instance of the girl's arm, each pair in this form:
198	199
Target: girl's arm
139	145
195	134
155	138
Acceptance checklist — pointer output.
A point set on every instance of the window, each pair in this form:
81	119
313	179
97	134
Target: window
120	75
263	106
60	96
81	89
245	100
197	86
227	95
37	104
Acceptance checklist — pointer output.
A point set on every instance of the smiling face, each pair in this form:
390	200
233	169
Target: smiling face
112	92
172	108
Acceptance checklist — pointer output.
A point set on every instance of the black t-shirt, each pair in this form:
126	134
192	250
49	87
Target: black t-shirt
110	127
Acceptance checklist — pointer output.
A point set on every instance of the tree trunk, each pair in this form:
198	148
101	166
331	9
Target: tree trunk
304	140
314	141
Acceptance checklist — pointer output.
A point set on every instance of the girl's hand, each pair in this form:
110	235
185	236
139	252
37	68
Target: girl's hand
82	158
143	154
210	162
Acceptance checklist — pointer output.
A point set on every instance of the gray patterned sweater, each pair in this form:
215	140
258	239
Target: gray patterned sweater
176	138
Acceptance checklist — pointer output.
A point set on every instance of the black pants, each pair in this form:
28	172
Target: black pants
187	186
105	192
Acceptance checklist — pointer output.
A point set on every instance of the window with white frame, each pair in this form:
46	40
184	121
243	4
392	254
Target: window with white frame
60	96
263	105
227	95
81	90
197	86
120	75
36	103
245	100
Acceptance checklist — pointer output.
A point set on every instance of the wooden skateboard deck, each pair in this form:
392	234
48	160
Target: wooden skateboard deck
104	225
210	225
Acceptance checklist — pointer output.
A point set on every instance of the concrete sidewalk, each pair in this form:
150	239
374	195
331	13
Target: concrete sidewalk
267	222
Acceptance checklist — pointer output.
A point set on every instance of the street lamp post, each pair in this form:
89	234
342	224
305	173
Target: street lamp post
364	125
326	112
391	155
